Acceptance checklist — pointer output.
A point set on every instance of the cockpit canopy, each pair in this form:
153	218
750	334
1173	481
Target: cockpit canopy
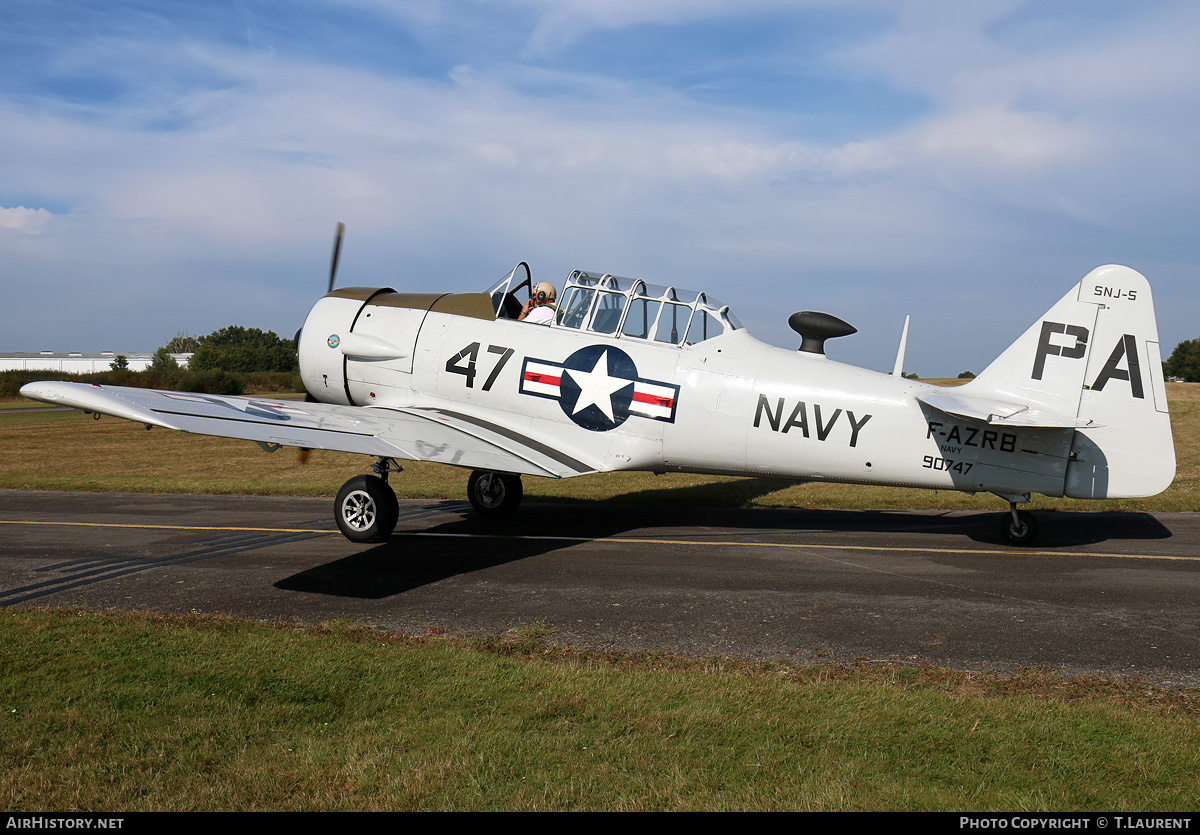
626	308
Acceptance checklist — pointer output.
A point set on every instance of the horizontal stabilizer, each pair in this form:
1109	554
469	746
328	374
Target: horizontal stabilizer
1000	412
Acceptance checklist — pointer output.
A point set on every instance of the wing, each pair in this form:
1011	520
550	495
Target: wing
438	435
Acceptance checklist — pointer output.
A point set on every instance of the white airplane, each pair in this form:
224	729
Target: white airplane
634	376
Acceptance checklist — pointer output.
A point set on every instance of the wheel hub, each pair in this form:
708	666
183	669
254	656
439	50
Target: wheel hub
359	510
491	490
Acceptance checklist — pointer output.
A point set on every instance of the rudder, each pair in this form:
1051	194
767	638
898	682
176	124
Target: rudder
1095	355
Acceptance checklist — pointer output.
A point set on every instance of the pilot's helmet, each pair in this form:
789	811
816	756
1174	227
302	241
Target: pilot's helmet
544	292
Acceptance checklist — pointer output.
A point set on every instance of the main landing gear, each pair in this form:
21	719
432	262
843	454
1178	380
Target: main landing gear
366	509
1019	526
494	494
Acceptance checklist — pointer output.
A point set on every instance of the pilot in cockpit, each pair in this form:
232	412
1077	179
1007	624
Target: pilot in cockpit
540	308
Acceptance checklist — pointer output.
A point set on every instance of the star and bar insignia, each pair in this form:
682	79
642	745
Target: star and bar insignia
598	387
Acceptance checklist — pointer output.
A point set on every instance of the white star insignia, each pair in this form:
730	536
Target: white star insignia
596	387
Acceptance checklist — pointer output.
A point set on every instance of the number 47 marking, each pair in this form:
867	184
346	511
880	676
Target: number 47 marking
464	363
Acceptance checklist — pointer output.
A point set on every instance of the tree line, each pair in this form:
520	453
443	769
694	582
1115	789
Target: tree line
234	349
232	360
1184	361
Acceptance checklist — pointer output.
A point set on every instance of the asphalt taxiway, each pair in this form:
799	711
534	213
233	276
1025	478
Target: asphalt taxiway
1115	594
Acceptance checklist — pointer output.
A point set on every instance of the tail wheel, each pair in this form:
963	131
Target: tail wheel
1020	528
494	494
366	509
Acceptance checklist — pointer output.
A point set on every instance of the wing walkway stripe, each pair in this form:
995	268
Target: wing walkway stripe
625	540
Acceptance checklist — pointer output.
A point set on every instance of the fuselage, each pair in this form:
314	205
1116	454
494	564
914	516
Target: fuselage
726	404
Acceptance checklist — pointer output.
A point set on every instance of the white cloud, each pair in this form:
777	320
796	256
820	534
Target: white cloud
999	139
562	22
23	219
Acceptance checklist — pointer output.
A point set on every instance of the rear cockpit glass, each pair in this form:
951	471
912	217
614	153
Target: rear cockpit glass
704	326
577	301
641	318
609	307
672	323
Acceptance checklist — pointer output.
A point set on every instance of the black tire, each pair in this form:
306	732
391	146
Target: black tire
494	494
1022	532
366	509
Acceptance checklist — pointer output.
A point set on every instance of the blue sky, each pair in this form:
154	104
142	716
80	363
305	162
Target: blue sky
180	166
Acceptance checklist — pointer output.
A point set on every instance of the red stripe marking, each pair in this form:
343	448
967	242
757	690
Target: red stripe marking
654	399
545	379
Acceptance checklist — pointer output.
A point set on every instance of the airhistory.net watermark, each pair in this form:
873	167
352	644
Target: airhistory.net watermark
52	822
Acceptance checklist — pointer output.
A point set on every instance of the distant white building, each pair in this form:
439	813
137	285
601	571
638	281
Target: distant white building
76	362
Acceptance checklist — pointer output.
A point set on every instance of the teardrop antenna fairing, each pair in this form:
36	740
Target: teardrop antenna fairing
814	328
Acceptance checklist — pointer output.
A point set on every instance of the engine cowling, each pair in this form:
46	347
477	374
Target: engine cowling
327	331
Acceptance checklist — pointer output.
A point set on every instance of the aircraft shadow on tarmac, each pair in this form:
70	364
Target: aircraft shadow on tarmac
415	558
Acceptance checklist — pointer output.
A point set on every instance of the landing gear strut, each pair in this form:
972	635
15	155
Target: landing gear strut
1019	526
494	494
366	509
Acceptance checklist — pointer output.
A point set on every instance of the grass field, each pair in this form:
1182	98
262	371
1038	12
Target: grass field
69	451
139	712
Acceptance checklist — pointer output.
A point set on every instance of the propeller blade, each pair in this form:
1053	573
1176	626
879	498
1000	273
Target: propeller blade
305	452
337	253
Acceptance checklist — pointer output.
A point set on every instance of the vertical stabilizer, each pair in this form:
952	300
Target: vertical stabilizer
1095	355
